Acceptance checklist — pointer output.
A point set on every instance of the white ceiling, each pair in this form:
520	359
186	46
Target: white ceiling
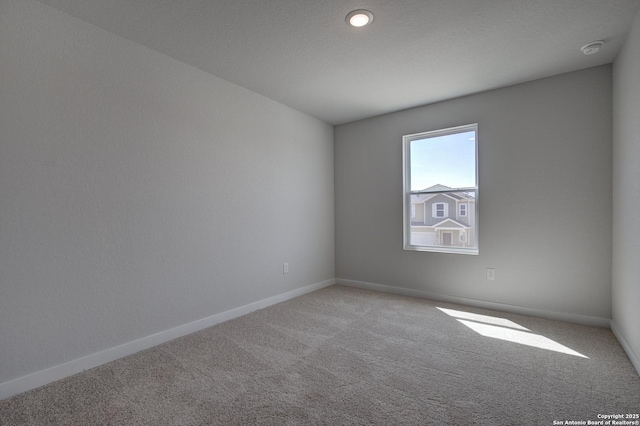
302	54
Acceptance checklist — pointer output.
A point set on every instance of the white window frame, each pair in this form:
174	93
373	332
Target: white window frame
406	164
460	206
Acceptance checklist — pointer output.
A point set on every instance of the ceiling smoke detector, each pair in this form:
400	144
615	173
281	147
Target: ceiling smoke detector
592	47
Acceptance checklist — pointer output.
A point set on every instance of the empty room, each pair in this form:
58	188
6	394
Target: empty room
319	212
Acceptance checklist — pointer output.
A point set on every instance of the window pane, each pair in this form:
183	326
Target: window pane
437	222
448	160
442	166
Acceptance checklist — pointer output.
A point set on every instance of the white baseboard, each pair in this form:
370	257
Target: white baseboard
40	378
633	357
559	316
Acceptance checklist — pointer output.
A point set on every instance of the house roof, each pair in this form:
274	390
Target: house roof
437	187
458	196
450	223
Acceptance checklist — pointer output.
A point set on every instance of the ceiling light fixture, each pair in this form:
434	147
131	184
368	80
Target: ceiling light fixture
592	47
359	18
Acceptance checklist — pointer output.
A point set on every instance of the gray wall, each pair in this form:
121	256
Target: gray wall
626	193
544	197
138	193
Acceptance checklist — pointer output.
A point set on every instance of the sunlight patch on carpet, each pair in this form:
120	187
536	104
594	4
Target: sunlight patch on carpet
504	329
483	318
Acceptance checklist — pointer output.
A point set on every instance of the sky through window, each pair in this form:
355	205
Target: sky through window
448	160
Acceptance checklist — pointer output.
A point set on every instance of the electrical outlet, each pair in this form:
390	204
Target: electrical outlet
285	268
491	274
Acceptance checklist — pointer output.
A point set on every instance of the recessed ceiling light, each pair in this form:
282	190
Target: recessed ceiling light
592	47
359	18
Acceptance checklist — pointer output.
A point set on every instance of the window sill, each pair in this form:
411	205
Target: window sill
455	250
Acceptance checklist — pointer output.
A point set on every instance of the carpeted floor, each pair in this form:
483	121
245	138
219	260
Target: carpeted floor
349	356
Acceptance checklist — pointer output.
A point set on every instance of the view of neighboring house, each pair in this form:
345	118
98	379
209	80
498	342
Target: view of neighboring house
443	218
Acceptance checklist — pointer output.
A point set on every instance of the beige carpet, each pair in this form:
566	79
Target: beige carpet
348	356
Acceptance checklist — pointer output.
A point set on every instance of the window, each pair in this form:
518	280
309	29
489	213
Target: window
440	175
